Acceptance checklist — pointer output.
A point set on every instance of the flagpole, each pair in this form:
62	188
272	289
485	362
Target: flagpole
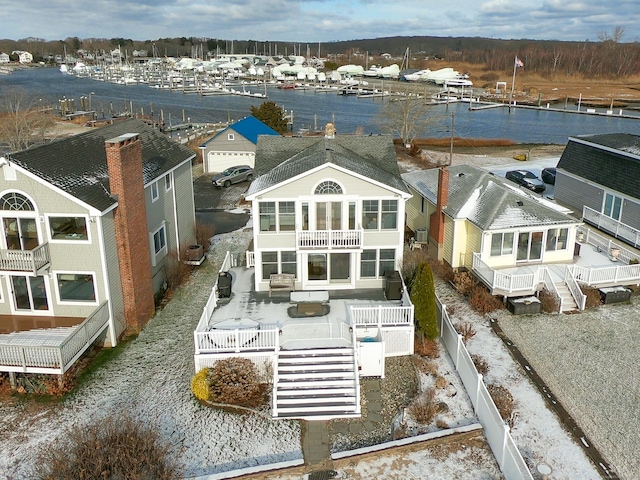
513	81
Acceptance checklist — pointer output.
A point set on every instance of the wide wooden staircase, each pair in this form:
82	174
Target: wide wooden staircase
316	384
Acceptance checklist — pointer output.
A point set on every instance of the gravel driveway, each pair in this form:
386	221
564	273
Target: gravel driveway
590	361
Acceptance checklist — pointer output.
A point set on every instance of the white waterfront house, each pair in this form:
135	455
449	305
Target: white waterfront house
320	302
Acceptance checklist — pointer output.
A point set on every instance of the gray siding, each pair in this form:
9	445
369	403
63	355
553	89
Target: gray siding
165	209
631	214
575	194
113	271
185	209
65	255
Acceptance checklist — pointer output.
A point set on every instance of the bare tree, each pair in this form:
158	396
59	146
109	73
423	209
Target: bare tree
406	117
22	120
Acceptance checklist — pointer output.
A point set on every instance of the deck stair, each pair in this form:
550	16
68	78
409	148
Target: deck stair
317	384
568	303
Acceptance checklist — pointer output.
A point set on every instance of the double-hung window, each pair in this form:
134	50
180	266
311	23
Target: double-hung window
267	212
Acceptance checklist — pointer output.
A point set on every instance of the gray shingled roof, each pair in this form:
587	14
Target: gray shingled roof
611	160
487	201
281	158
78	164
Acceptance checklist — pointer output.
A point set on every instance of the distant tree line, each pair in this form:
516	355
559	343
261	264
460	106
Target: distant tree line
607	56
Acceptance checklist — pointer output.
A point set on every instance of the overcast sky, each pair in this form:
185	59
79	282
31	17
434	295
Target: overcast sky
318	20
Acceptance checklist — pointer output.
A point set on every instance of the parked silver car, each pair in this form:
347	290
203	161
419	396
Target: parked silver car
237	174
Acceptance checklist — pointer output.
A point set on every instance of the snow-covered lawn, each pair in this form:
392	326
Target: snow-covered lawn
537	431
150	380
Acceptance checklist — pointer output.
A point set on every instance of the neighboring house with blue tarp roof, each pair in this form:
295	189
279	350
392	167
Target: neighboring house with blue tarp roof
235	145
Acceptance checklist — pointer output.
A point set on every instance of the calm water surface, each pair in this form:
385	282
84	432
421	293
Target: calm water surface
348	112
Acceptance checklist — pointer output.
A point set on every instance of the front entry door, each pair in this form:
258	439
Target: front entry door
29	293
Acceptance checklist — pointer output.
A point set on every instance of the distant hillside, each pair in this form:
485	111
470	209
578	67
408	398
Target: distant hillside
607	59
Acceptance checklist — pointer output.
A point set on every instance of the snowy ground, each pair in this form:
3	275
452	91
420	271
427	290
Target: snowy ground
150	380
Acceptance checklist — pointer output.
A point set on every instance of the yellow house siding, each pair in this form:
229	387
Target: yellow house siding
447	248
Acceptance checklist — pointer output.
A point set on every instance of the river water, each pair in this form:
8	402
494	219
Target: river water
349	113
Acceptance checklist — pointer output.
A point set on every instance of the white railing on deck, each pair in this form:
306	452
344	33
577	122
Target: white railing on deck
618	229
251	259
212	301
338	239
620	275
496	431
25	260
605	244
222	341
356	368
58	359
551	286
381	315
578	297
505	282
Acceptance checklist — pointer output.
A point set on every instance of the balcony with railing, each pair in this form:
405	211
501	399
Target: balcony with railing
51	350
329	239
618	229
32	261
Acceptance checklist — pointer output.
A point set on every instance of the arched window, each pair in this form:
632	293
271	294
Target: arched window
328	188
15	201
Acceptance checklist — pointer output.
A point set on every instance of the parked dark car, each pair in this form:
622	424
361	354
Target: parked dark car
549	175
237	174
526	179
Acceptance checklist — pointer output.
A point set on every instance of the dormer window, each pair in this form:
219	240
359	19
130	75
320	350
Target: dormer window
328	188
231	137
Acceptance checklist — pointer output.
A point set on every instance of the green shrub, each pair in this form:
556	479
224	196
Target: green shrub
423	297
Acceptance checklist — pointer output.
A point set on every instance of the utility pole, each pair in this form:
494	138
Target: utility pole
453	116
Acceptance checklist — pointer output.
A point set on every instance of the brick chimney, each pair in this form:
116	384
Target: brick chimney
436	221
124	162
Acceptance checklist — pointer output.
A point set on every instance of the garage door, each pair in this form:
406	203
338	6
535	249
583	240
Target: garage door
219	161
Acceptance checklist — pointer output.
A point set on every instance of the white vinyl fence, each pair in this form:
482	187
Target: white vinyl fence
496	431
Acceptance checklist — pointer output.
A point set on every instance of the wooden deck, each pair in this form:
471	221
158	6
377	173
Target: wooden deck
23	323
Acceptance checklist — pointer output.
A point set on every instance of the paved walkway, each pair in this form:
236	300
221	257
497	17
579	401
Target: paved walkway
316	447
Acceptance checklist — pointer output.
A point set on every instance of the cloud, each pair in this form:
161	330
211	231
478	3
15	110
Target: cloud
316	20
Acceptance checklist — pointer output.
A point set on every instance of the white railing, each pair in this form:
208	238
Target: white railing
617	229
505	282
338	239
25	260
381	315
496	431
551	286
356	368
618	275
223	341
605	244
578	297
251	259
212	301
55	360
